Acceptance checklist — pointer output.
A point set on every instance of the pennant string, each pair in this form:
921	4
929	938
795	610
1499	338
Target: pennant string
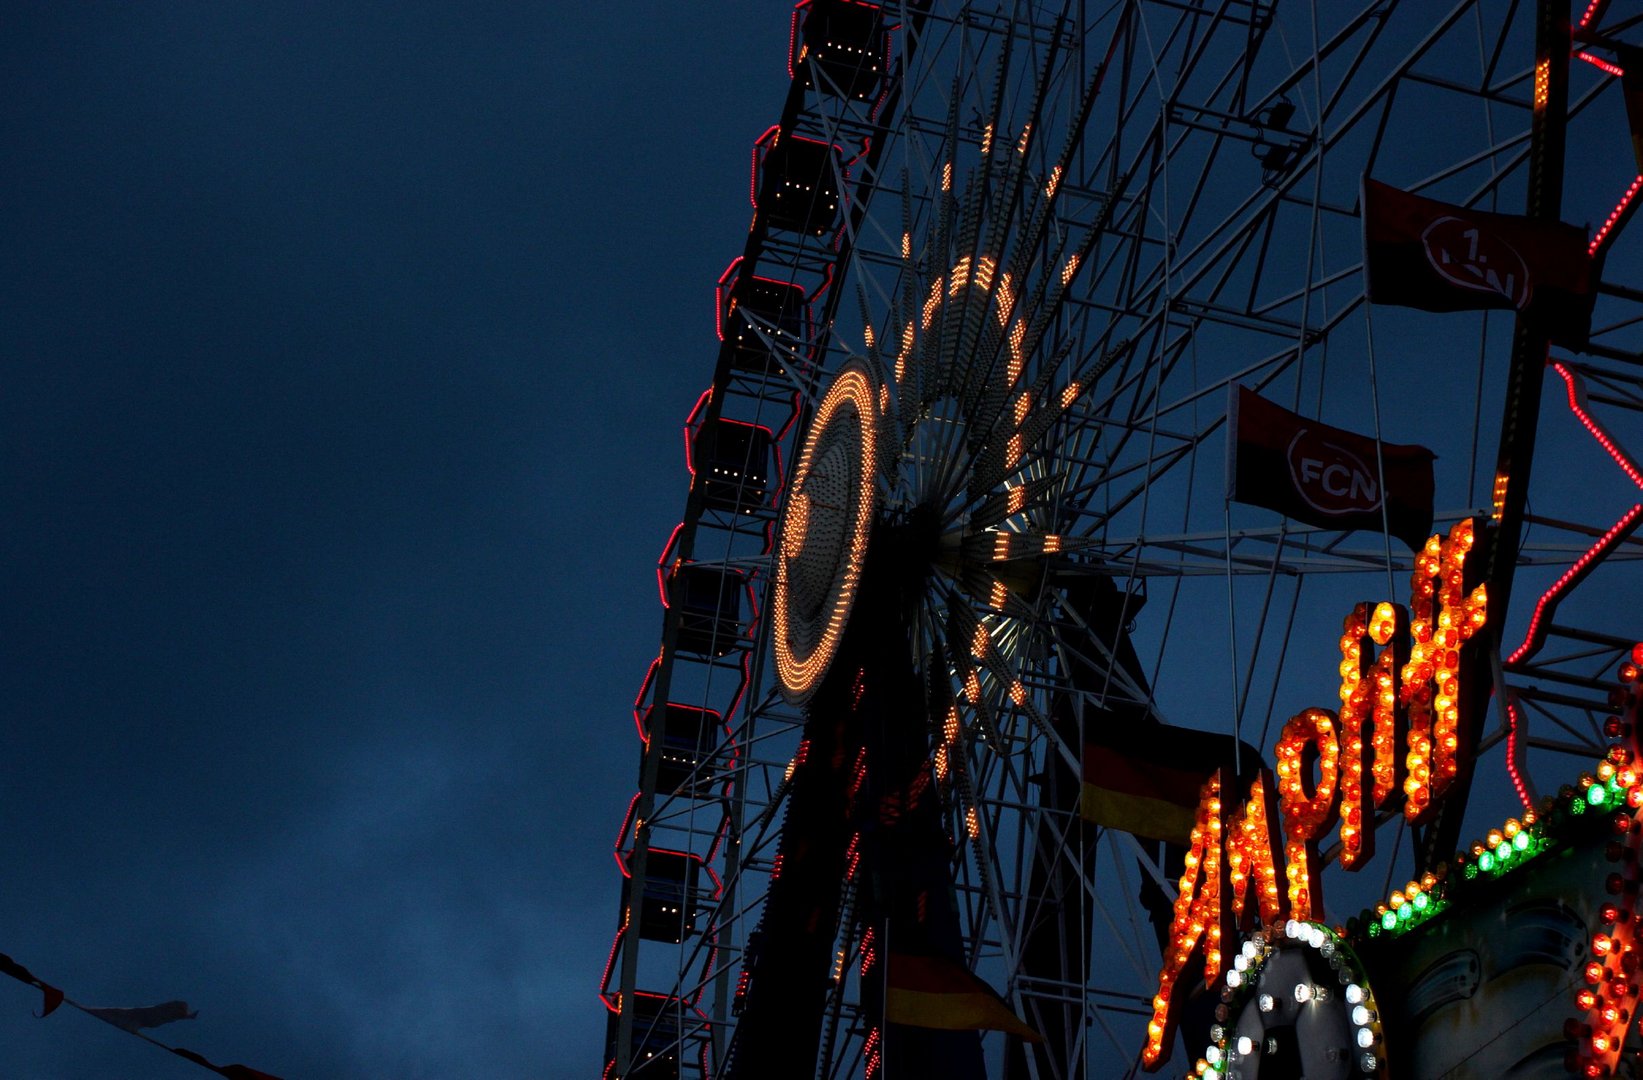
122	1019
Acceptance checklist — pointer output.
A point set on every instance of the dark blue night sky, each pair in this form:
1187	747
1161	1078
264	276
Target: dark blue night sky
346	349
346	353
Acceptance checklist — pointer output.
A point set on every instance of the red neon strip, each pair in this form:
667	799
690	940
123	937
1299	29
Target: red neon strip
638	702
610	964
721	295
1592	11
753	186
622	834
793	35
695	999
1514	754
1577	404
1601	64
695	410
1548	600
1614	216
662	564
884	83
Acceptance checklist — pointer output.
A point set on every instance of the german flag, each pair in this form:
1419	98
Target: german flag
1144	779
934	992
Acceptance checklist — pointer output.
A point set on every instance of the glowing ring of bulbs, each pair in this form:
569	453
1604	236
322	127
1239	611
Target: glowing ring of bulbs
1262	981
825	525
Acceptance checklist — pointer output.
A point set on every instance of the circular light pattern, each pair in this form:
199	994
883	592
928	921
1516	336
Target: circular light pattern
825	525
1300	1003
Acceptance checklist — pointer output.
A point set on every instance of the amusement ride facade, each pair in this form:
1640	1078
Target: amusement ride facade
958	546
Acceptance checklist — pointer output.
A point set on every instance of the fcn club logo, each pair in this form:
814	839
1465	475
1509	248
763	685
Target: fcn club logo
1329	477
1473	258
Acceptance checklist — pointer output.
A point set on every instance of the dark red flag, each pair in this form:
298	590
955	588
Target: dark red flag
1322	475
1431	255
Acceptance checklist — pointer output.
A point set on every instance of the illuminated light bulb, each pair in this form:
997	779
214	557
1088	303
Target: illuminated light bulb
1354	994
1235	978
1053	182
1246	1046
1265	1003
1366	1038
1303	993
1362	1016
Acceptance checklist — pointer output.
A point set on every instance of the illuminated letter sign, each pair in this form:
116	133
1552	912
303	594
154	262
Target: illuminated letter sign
1399	728
1199	920
1372	724
1308	736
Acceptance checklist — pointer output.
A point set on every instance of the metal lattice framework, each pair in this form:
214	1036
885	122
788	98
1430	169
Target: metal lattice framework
1063	232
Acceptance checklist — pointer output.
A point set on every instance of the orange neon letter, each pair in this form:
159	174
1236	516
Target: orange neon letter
1371	763
1252	852
1198	923
1308	737
1443	617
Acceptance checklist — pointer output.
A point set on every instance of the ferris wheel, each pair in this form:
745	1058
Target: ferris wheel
959	525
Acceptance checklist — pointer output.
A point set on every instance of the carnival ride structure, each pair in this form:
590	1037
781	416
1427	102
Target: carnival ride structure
958	510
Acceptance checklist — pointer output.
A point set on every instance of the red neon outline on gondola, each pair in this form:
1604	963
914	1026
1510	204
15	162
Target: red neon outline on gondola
724	287
663	570
844	175
718	884
884	30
